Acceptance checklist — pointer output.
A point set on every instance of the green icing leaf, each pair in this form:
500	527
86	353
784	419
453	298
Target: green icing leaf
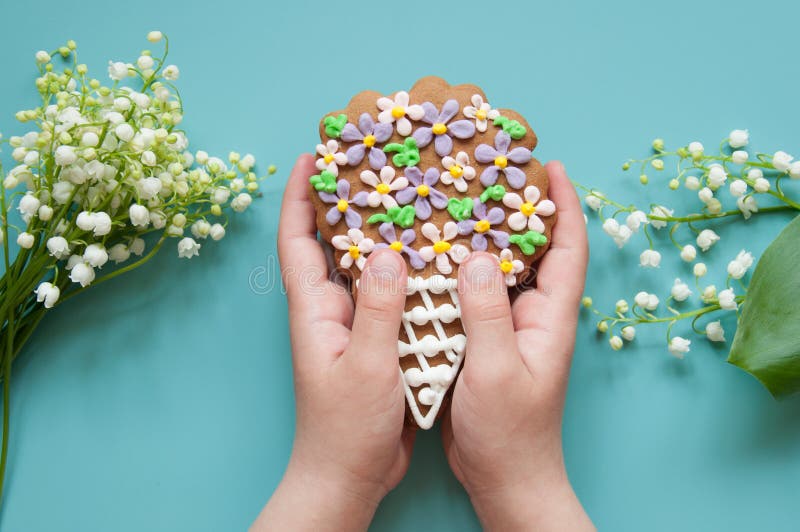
334	125
324	182
766	343
495	192
527	242
460	209
402	216
515	130
407	152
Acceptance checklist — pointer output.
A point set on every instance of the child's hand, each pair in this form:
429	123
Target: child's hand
350	446
503	435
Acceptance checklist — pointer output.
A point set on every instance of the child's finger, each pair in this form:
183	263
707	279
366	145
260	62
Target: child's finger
486	315
553	305
559	283
303	267
379	307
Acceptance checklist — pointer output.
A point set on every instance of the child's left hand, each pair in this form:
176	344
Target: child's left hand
350	444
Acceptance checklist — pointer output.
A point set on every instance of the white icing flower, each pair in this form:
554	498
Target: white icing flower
510	266
357	247
457	171
442	250
481	111
528	210
330	157
399	111
386	183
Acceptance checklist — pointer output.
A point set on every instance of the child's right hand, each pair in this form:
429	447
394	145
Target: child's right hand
503	433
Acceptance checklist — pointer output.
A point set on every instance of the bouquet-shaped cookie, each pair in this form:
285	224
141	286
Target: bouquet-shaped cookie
433	174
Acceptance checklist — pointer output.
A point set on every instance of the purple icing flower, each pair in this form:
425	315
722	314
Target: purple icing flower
342	203
423	191
400	245
482	226
440	128
499	155
368	133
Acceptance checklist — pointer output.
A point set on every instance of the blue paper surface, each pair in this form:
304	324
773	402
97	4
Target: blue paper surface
164	401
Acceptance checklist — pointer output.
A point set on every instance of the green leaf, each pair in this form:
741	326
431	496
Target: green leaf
514	129
402	216
334	125
460	209
495	192
323	182
767	341
527	242
407	153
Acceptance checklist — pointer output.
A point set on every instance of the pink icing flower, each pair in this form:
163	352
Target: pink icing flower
442	250
509	266
357	247
383	185
529	210
398	111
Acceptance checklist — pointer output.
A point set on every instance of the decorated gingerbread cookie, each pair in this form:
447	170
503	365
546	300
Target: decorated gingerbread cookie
433	173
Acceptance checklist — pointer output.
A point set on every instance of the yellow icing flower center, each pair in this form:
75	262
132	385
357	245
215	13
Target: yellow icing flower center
456	171
328	158
423	190
441	247
396	245
500	161
480	114
527	208
342	205
354	251
398	111
383	188
482	226
439	128
369	141
506	266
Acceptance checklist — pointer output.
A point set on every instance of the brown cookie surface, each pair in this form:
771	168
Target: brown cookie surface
434	174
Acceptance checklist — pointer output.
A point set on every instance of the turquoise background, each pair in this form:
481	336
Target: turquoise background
164	401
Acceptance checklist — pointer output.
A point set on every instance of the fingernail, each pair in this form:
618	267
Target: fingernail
480	273
383	270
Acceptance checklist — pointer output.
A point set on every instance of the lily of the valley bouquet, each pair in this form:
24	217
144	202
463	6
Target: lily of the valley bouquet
731	185
102	166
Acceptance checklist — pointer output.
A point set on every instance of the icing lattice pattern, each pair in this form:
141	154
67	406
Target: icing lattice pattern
432	381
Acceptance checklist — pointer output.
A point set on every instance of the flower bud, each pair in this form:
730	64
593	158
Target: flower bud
715	332
643	179
700	269
658	164
709	293
738	138
739	157
658	144
25	240
674	184
602	326
615	342
621	307
628	332
761	185
688	253
586	302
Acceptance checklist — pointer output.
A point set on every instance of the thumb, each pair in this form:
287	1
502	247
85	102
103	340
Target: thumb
379	305
486	314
